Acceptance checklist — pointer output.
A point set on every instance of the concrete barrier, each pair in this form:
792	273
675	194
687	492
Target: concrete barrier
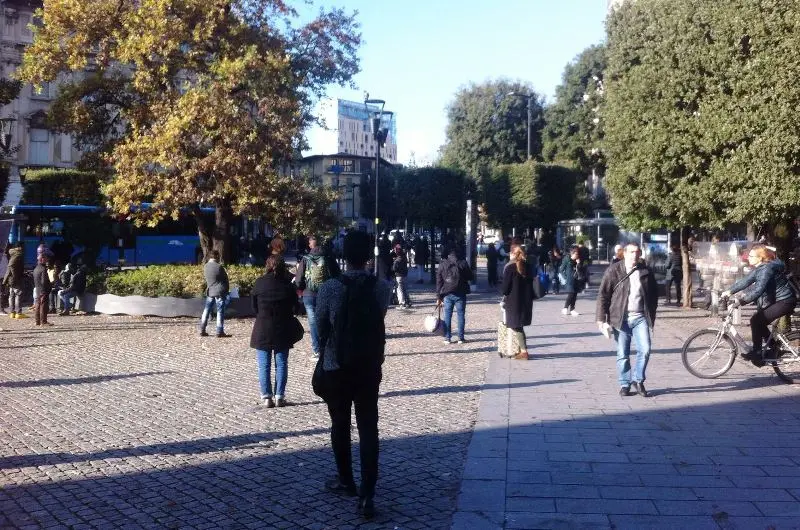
162	306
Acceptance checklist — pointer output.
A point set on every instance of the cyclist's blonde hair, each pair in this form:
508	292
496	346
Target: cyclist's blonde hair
763	252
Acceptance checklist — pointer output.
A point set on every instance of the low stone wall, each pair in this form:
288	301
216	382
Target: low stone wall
163	306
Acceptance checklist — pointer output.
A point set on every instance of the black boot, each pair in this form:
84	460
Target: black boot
366	507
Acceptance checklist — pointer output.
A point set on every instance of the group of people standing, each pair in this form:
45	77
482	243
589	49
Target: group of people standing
53	288
345	314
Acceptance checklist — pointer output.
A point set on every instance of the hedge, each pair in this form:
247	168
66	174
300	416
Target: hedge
61	186
180	281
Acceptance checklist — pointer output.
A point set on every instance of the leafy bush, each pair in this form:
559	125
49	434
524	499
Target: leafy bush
180	281
61	186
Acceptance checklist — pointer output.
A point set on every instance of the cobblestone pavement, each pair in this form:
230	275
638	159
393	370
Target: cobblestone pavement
121	422
555	446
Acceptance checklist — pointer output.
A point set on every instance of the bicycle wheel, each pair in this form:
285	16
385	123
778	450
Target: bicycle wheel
707	355
787	365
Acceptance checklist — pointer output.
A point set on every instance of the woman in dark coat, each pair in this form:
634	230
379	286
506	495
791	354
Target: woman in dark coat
573	276
491	264
273	299
518	280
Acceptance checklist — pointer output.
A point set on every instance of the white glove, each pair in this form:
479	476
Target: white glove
725	294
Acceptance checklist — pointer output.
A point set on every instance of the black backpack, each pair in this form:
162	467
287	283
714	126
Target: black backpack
360	332
452	277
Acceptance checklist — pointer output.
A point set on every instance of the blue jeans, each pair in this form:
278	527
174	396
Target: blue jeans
211	301
638	328
311	305
264	359
460	302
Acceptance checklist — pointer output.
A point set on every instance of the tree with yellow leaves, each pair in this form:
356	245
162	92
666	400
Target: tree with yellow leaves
187	103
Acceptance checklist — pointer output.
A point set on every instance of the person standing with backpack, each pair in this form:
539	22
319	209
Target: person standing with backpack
313	270
350	313
452	286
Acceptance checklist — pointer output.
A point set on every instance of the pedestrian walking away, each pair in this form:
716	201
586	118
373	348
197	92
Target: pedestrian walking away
312	271
674	274
350	318
518	296
491	264
217	294
274	330
452	287
572	276
400	270
626	305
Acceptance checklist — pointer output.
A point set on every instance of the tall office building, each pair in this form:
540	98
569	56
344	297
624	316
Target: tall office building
355	135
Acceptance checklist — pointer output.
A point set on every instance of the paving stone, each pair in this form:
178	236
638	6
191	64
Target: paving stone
132	419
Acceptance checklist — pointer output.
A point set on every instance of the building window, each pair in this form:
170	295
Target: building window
41	92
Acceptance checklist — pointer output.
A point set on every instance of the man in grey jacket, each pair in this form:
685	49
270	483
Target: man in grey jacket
626	305
217	291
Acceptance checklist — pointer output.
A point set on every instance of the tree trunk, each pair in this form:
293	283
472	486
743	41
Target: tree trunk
223	217
205	232
687	272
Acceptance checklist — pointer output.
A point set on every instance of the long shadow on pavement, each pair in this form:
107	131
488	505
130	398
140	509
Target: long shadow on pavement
75	380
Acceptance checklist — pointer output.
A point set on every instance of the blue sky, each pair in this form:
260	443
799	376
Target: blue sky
417	53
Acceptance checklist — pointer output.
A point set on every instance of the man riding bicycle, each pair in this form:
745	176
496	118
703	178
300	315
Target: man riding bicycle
766	283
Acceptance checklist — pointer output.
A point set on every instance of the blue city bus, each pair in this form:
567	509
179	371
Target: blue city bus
170	242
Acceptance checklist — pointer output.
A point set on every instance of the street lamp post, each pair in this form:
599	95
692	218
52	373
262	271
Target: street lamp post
529	97
380	134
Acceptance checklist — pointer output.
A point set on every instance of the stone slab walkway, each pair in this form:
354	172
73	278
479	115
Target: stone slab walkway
555	446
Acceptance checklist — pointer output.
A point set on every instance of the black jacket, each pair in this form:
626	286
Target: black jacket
675	266
518	291
41	281
567	271
612	299
273	301
767	283
443	287
77	283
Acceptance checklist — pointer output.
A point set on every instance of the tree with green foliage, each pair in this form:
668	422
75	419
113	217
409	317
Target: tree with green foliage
530	195
700	113
573	131
61	186
195	102
488	126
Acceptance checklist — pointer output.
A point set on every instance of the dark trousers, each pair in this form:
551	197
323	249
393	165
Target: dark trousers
677	280
40	308
491	272
359	388
760	320
570	303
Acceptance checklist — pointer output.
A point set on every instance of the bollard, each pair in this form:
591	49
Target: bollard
737	316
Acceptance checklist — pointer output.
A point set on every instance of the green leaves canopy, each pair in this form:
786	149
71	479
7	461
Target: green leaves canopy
194	101
571	134
701	112
487	126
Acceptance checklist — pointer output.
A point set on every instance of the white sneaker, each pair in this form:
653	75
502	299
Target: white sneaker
565	311
447	341
574	313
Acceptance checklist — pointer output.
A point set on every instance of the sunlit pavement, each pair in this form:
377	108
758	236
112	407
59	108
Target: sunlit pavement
114	422
555	446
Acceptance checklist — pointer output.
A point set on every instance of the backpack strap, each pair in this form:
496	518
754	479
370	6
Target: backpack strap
635	268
